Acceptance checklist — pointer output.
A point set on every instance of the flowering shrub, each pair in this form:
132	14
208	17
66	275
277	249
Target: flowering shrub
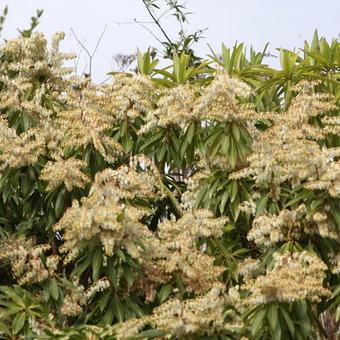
188	202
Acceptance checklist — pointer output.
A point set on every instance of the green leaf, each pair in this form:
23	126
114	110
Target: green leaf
149	334
164	292
233	190
191	131
10	311
117	309
25	184
235	208
120	254
240	251
113	273
288	320
13	295
261	204
225	144
272	316
232	154
316	203
4	329
298	198
128	275
25	122
18	322
180	283
140	61
97	262
304	321
224	200
201	195
59	204
134	306
236	131
228	228
54	289
81	267
257	321
336	215
104	300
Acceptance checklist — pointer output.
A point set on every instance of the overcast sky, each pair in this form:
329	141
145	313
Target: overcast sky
282	23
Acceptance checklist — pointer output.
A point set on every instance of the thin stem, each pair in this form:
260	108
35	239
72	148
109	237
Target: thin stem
80	43
90	55
145	27
157	22
99	40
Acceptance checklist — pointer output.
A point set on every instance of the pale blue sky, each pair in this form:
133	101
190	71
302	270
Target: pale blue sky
282	23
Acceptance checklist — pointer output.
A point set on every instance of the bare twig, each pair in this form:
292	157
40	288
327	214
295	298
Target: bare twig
105	80
165	12
99	40
85	67
142	24
76	61
90	55
157	22
135	21
154	35
80	43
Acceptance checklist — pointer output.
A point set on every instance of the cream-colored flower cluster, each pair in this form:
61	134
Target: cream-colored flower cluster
74	300
25	260
268	229
293	277
98	286
102	216
193	185
76	297
127	97
203	315
174	107
249	207
175	251
105	215
130	328
319	224
19	151
248	267
289	150
334	259
220	100
57	113
140	179
328	179
31	58
26	61
64	171
84	122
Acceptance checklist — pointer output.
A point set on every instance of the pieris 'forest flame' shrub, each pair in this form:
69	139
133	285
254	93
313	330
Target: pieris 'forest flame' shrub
192	202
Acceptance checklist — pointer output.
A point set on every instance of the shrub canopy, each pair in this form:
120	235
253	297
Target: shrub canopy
186	202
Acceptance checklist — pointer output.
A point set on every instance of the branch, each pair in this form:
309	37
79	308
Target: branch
99	40
142	24
157	22
90	55
154	35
